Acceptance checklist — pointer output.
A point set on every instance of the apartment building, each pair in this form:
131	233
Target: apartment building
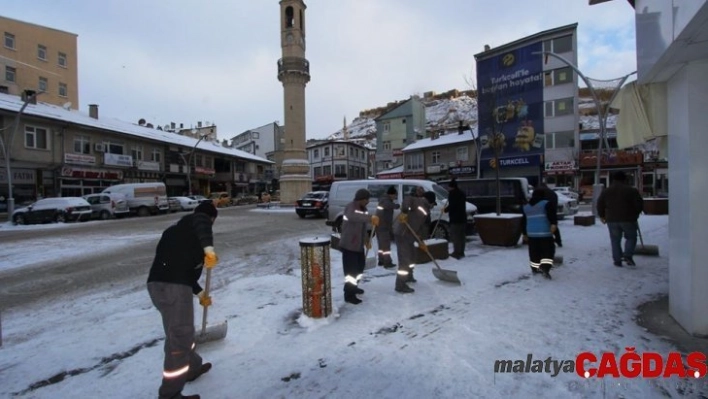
532	99
60	152
332	160
397	128
440	157
39	58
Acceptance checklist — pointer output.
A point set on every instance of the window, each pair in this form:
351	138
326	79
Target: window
61	60
559	107
36	137
462	154
318	171
114	148
10	73
156	155
137	152
435	157
9	40
414	161
42	52
326	151
560	139
387	146
43	84
559	45
327	170
82	145
351	152
316	154
340	170
199	161
386	127
62	90
558	76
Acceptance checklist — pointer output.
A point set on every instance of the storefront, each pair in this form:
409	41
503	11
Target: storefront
528	166
143	172
24	184
76	181
561	173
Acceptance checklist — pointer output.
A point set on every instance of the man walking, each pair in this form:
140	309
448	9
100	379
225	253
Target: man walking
384	232
457	212
182	250
552	197
414	211
538	223
619	207
352	243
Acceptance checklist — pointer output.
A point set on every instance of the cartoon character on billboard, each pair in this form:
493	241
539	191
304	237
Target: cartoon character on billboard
525	136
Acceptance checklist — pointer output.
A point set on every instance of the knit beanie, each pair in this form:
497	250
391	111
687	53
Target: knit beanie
207	207
362	194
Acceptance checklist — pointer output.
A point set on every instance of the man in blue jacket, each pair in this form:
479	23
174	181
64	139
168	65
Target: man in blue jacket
538	224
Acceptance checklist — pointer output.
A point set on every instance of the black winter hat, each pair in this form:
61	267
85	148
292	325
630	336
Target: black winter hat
362	194
207	207
392	190
430	196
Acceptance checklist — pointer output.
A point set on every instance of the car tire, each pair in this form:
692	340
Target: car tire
60	218
143	211
104	215
301	214
442	231
19	220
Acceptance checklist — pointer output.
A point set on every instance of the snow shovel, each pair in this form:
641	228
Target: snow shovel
370	262
213	332
441	274
649	250
442	210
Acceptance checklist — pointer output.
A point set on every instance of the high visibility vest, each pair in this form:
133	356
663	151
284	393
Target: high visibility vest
537	223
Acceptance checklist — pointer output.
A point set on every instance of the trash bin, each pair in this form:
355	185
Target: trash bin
316	281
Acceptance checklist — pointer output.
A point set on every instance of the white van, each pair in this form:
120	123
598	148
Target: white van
342	192
143	198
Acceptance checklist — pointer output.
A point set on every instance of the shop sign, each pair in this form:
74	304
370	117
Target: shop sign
86	173
117	160
79	159
560	166
19	176
148	165
204	171
463	170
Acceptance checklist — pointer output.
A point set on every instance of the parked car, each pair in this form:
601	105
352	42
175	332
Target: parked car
61	209
221	199
568	192
174	204
186	203
107	206
566	206
143	198
199	198
313	203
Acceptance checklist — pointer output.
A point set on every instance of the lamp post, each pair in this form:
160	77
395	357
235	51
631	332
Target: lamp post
6	149
188	161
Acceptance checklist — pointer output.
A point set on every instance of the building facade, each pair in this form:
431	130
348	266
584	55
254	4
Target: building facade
396	129
441	157
34	57
532	100
337	160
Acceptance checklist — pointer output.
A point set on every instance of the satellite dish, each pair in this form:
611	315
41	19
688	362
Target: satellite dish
67	105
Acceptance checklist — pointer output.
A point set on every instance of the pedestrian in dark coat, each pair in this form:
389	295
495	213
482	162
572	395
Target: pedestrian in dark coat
457	213
414	210
552	197
538	223
619	206
384	232
353	241
183	250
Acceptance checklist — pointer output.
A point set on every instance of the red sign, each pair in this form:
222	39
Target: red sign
390	176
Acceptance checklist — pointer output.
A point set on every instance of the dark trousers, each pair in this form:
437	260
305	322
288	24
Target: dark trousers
383	237
405	249
617	229
174	301
353	264
458	238
541	252
557	236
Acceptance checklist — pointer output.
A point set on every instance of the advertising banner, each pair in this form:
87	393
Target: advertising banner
511	102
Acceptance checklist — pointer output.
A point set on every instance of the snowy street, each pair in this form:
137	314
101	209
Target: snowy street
441	341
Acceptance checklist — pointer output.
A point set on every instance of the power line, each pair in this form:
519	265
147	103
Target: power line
31	66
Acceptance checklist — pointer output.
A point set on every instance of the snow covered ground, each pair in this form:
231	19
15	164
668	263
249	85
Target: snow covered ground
440	342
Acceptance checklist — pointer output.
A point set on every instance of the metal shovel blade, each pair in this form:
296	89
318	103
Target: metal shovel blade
214	332
446	275
370	263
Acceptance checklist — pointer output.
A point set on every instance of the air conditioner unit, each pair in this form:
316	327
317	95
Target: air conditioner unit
99	147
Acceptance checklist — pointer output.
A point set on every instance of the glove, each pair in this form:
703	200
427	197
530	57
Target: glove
423	246
375	220
210	258
204	300
368	244
525	239
603	220
554	228
403	218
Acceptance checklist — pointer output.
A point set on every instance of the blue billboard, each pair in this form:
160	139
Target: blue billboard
510	101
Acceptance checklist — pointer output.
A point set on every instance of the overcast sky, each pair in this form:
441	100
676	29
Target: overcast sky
185	61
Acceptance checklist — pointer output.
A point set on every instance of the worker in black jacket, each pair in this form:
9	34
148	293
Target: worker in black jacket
182	250
620	206
552	197
457	210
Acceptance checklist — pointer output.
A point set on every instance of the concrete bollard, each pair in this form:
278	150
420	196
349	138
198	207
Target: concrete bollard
316	277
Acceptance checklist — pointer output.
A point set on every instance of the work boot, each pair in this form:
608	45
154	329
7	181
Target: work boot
389	265
350	297
630	261
402	287
618	264
535	270
546	270
203	370
189	397
410	278
358	291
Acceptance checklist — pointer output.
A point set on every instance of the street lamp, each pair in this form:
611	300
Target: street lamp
8	146
188	161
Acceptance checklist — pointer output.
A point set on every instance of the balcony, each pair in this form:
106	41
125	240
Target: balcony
588	158
293	65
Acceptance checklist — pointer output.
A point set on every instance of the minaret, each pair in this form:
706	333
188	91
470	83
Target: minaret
294	73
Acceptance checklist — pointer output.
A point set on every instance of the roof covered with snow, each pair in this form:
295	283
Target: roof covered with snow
447	139
14	103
